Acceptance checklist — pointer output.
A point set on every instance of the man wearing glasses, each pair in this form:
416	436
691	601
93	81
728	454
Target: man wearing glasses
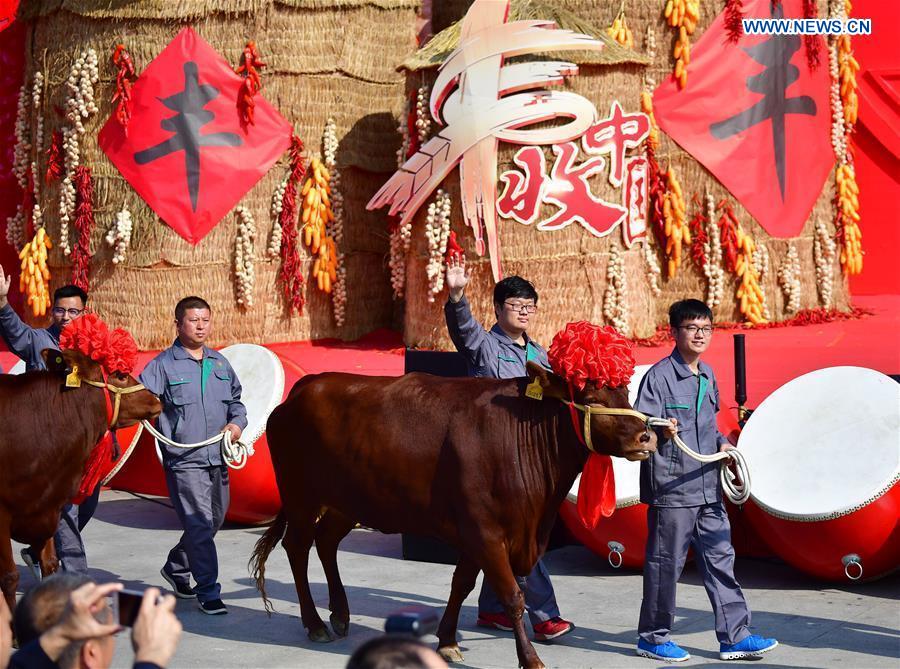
501	353
685	497
27	343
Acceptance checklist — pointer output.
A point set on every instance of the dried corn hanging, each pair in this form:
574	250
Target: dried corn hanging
676	226
619	29
34	279
848	212
683	15
749	294
316	214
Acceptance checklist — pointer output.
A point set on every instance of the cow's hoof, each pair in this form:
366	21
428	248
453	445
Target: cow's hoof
341	627
451	653
321	635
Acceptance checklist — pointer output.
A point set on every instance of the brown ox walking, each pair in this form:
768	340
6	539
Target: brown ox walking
472	461
46	436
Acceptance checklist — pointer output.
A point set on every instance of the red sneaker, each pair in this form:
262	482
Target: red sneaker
497	621
552	629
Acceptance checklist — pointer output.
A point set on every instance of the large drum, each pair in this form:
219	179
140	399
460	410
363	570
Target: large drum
622	537
824	452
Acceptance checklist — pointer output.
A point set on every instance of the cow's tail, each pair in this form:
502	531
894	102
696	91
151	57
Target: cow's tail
264	546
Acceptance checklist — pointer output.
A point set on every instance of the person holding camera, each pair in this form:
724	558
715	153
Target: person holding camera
66	622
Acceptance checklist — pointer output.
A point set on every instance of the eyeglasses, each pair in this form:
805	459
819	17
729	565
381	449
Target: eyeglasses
516	306
73	313
692	330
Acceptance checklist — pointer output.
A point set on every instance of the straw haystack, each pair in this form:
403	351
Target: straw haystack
335	58
569	266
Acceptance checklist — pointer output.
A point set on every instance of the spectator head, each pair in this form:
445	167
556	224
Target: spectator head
42	607
68	304
395	652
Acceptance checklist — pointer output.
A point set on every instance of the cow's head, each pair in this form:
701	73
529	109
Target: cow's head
78	370
620	435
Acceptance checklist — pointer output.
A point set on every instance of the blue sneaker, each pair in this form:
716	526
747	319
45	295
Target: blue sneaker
667	652
752	646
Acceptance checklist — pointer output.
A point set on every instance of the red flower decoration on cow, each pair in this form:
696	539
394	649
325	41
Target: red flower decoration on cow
585	352
116	351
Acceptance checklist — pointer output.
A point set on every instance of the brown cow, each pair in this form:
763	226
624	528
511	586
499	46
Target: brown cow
46	435
472	461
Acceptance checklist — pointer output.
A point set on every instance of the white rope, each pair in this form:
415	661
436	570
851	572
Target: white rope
235	453
736	488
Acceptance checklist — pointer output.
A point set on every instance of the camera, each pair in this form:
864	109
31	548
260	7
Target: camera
412	622
126	605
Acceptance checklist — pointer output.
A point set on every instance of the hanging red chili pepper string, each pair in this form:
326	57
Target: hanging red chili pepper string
249	69
125	76
291	274
84	224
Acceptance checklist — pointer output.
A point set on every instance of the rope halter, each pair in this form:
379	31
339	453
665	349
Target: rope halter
738	491
112	409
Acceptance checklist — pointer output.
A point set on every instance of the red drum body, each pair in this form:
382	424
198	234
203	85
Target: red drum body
622	538
824	457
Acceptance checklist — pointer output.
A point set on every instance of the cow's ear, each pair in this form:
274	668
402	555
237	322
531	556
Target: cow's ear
551	385
55	361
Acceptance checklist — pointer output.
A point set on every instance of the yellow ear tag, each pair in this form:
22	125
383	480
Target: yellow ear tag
72	379
534	390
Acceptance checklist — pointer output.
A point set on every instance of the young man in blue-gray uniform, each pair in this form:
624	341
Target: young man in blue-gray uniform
501	353
27	343
201	397
685	497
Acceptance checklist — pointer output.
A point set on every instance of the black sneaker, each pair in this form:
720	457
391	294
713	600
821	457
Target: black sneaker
214	607
181	590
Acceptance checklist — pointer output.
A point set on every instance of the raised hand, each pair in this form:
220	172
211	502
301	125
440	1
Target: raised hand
457	276
5	280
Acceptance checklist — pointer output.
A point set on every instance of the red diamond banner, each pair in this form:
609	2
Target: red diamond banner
756	116
186	153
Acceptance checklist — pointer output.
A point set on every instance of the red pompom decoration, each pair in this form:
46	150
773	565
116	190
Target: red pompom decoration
116	351
585	352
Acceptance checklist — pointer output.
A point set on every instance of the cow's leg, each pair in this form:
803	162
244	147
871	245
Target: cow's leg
48	558
463	581
333	527
9	575
498	572
298	539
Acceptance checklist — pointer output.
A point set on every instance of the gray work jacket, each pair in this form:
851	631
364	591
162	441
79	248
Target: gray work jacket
489	353
199	398
25	341
671	390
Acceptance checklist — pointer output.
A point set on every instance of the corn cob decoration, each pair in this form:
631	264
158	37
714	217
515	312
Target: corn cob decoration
676	225
749	293
34	279
620	31
316	213
848	213
848	69
683	15
647	108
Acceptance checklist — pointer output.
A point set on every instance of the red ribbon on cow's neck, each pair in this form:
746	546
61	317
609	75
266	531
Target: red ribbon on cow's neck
573	412
597	489
101	453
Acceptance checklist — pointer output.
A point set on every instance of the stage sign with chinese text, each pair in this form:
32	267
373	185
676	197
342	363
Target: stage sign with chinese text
186	153
756	116
479	100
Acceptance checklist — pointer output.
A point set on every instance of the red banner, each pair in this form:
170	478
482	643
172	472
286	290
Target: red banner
756	116
186	153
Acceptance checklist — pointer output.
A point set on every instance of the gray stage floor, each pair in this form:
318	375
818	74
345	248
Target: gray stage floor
818	625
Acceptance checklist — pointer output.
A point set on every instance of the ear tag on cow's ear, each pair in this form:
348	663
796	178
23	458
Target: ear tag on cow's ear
72	379
535	390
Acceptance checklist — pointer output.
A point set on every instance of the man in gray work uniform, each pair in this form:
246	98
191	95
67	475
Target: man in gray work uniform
685	497
501	353
27	343
201	397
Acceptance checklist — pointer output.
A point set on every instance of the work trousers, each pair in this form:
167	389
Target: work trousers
672	530
200	498
540	600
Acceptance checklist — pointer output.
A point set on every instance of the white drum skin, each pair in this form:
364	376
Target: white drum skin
824	450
